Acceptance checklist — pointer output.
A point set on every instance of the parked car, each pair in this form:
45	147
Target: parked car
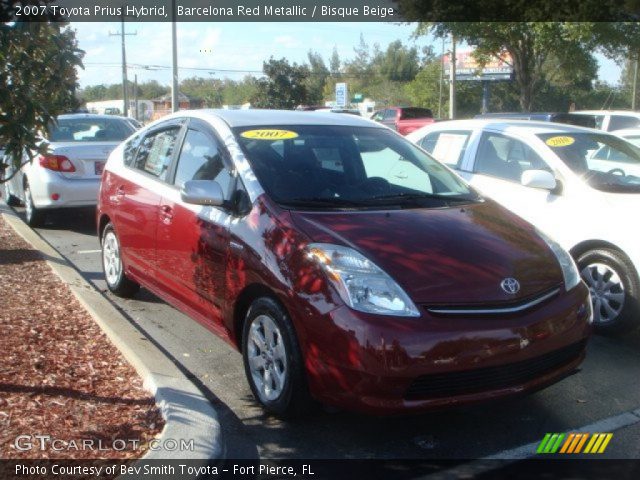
612	120
69	175
134	123
578	185
630	135
588	121
404	120
349	111
346	264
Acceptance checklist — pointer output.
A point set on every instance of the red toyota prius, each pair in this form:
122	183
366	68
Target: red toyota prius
347	265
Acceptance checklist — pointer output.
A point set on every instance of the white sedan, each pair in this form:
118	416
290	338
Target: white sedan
68	175
579	185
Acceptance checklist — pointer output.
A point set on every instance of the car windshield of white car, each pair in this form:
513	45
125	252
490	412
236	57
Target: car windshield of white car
87	129
606	162
333	167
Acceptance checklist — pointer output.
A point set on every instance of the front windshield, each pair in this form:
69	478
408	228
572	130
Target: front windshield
606	162
327	166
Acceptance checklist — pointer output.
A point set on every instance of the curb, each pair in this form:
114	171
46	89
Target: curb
188	414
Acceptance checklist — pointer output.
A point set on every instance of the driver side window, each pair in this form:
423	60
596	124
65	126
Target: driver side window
506	158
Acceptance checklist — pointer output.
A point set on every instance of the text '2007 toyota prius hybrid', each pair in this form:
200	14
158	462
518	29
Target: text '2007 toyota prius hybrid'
347	265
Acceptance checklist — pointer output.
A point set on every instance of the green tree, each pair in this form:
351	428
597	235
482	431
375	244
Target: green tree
284	86
318	74
399	63
37	79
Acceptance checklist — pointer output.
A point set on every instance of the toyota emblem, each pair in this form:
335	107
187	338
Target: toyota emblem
510	285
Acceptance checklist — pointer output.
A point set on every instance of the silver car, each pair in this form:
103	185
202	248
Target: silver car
69	175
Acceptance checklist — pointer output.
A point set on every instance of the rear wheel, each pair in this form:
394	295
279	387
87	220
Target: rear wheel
273	361
11	199
35	216
614	288
114	275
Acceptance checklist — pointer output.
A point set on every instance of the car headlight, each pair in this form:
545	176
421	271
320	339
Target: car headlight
569	268
361	284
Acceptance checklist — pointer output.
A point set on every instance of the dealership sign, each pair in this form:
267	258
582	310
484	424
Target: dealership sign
468	68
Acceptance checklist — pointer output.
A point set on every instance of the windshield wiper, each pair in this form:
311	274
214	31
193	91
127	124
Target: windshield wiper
420	196
322	202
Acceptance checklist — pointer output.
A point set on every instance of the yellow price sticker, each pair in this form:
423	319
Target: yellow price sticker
561	141
269	134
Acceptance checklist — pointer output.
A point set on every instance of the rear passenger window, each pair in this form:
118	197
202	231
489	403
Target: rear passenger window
156	151
447	147
201	159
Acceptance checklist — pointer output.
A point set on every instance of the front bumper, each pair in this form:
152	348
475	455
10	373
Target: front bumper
387	365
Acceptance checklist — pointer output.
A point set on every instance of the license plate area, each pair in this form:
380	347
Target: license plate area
98	167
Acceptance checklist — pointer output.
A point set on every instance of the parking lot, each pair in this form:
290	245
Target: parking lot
593	399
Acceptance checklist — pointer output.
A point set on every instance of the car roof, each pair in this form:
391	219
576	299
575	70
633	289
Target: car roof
626	131
250	118
78	116
501	124
607	112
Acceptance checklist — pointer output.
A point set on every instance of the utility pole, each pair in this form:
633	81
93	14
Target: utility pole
441	81
635	82
125	96
135	95
452	80
175	102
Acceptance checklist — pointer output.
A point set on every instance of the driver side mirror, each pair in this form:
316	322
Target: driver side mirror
202	192
538	179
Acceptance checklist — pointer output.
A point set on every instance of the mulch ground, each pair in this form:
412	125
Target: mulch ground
59	374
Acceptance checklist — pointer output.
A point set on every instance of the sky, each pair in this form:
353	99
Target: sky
233	50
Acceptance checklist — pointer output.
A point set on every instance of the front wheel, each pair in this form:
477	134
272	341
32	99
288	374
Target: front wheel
273	361
614	288
114	275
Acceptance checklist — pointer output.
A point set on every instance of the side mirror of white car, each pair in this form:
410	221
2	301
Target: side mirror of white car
538	179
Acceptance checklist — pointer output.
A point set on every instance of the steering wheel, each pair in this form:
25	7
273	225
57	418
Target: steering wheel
376	185
617	171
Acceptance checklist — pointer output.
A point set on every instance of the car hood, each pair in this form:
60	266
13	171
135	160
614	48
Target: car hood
455	255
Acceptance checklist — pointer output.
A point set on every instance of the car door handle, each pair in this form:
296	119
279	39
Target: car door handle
120	192
166	213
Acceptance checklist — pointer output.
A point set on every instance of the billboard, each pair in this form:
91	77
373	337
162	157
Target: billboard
467	67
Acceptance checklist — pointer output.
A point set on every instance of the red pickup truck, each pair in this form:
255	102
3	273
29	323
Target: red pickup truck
404	120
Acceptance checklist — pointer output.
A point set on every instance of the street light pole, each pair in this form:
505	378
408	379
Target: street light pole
175	103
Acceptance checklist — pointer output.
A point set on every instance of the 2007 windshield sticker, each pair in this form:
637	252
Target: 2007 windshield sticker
269	134
561	141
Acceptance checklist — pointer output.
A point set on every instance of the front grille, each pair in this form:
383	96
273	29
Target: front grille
491	378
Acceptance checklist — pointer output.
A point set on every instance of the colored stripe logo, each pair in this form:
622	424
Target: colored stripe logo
574	443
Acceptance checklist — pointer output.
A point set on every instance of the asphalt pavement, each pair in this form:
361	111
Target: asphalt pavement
607	386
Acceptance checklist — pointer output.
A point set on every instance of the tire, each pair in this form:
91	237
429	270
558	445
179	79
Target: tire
615	290
275	372
35	217
117	280
11	200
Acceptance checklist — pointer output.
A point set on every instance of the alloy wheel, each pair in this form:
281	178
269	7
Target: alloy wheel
607	291
111	258
267	357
